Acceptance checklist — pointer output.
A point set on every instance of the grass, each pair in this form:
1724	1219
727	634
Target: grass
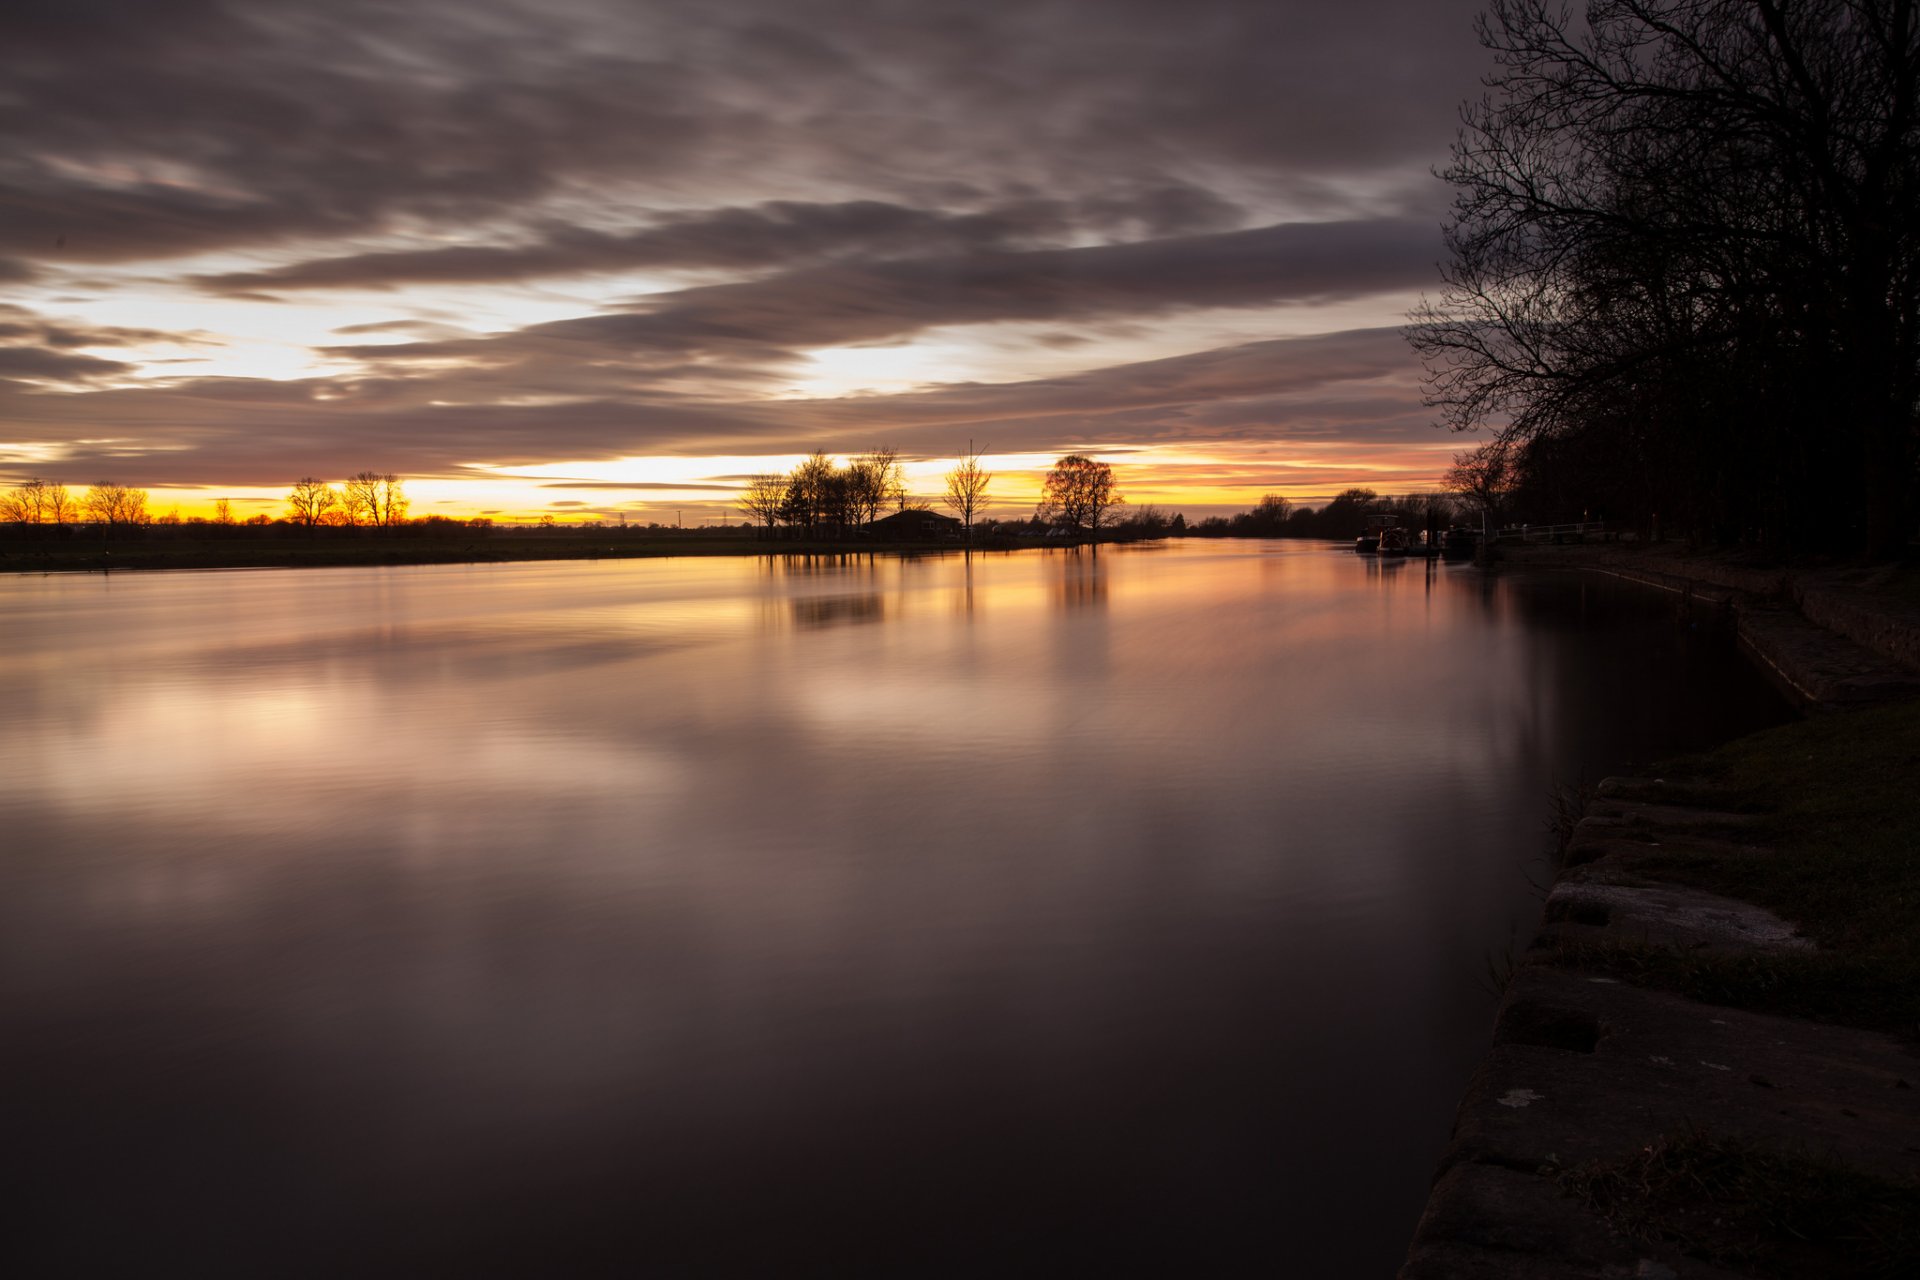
1768	1213
1836	851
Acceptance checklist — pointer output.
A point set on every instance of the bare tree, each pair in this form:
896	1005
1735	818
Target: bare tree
109	503
390	501
874	481
1485	478
967	488
373	497
223	512
311	501
37	502
57	506
1685	259
1078	493
764	496
359	498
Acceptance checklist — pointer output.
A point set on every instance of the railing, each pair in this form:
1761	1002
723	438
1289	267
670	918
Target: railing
1578	531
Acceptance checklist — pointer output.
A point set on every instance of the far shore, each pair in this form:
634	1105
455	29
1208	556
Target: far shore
202	547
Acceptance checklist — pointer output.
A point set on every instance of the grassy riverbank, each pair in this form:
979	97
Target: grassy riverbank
1834	847
202	547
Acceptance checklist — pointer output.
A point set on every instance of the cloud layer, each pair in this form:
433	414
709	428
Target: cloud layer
592	228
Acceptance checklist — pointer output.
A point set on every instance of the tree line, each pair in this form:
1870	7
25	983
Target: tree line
1343	516
820	497
44	502
1684	269
367	498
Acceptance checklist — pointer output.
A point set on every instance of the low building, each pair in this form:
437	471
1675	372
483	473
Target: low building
917	526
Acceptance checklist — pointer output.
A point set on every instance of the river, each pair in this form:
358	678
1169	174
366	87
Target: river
1053	912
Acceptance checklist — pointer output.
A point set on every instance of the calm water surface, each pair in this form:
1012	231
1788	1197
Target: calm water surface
1029	914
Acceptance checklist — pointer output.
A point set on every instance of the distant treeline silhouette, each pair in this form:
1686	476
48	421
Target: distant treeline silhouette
1342	517
1684	270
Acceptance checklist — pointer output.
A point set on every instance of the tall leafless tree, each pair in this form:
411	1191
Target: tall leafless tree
967	488
1685	256
373	497
311	501
764	497
874	483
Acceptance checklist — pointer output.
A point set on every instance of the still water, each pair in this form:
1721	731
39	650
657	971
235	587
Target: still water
1039	913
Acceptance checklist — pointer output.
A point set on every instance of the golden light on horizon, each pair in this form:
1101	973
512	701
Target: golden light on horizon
1193	478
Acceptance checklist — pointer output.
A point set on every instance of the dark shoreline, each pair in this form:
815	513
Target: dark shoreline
163	549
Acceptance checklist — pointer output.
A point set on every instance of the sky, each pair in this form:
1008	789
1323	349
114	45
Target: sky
604	258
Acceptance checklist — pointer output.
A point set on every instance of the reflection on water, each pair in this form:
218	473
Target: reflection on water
830	611
836	915
1082	577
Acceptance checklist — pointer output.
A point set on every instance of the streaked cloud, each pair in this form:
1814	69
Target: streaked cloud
444	237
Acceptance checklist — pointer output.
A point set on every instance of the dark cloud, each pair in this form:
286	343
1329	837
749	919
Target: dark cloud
780	233
765	321
139	130
40	364
18	323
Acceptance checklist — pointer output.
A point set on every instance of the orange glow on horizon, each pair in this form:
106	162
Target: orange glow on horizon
694	490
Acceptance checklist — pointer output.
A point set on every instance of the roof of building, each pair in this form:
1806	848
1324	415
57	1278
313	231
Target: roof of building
915	517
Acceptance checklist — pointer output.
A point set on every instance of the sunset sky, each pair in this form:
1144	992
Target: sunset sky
605	257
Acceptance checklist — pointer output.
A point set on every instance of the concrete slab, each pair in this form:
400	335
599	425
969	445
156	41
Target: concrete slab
1592	909
1659	1063
1487	1223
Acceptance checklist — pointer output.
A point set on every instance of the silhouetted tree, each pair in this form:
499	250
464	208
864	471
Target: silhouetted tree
1077	494
37	502
1346	514
967	488
1685	250
874	482
764	497
373	497
311	501
114	504
1485	478
809	491
1269	516
357	498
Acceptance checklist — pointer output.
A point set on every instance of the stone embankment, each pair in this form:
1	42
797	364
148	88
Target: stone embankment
1587	1071
1586	1068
